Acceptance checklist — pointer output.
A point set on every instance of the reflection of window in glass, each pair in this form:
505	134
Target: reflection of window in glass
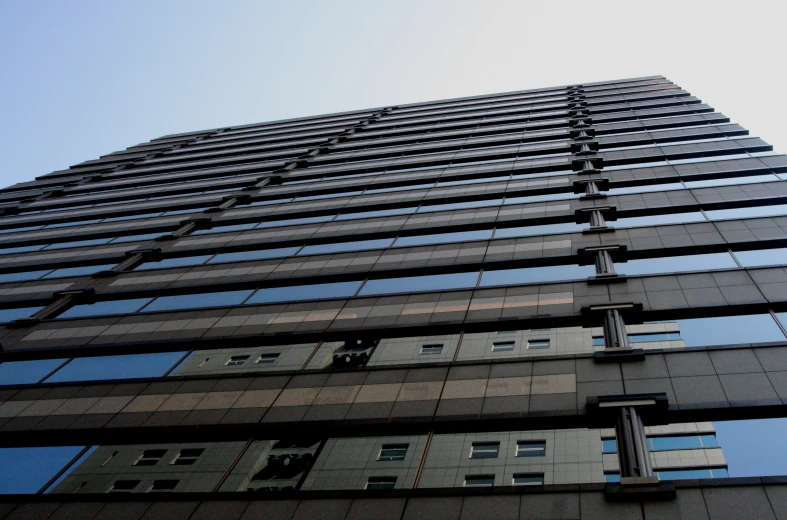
236	361
531	448
266	359
503	346
150	457
537	344
528	479
598	341
485	450
393	452
431	349
188	456
381	483
669	443
163	486
479	480
123	486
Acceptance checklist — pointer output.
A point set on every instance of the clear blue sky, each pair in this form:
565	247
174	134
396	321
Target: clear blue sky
81	79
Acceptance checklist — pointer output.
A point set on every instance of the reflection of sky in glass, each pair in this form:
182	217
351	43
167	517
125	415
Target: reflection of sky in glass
536	274
761	211
644	189
26	470
728	330
655	220
197	301
105	308
116	367
675	264
7	315
304	292
420	283
547	229
442	238
25	372
762	257
753	448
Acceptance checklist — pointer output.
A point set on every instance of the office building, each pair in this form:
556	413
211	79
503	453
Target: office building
523	305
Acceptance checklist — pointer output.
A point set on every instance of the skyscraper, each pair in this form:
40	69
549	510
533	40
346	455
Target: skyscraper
519	305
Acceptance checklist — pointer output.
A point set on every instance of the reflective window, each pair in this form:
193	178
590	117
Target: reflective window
431	349
294	221
762	257
443	238
341	247
27	372
134	238
731	181
391	452
105	308
420	283
686	474
197	301
267	359
539	198
728	330
535	274
531	448
748	212
658	220
27	470
503	346
7	315
460	205
257	254
79	271
116	367
237	360
22	276
485	450
538	344
546	229
381	483
304	292
378	213
676	264
78	243
644	189
167	263
528	479
223	229
479	480
20	249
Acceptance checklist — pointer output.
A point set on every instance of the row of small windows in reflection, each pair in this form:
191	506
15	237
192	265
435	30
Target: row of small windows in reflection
741	329
402	285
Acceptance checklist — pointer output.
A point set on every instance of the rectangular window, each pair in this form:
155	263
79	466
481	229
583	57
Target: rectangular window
256	254
129	366
503	346
7	315
105	308
762	257
342	247
187	456
676	264
123	486
537	344
163	486
479	480
267	359
443	238
236	361
598	341
167	263
393	452
435	282
531	448
659	220
609	446
304	292
535	275
197	301
546	229
485	450
431	349
27	372
528	479
150	457
381	483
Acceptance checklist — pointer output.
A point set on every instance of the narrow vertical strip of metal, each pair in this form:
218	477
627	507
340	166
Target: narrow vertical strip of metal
308	470
459	345
61	365
640	444
232	465
314	352
63	470
626	455
422	462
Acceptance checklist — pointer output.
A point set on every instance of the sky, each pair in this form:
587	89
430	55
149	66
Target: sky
85	78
